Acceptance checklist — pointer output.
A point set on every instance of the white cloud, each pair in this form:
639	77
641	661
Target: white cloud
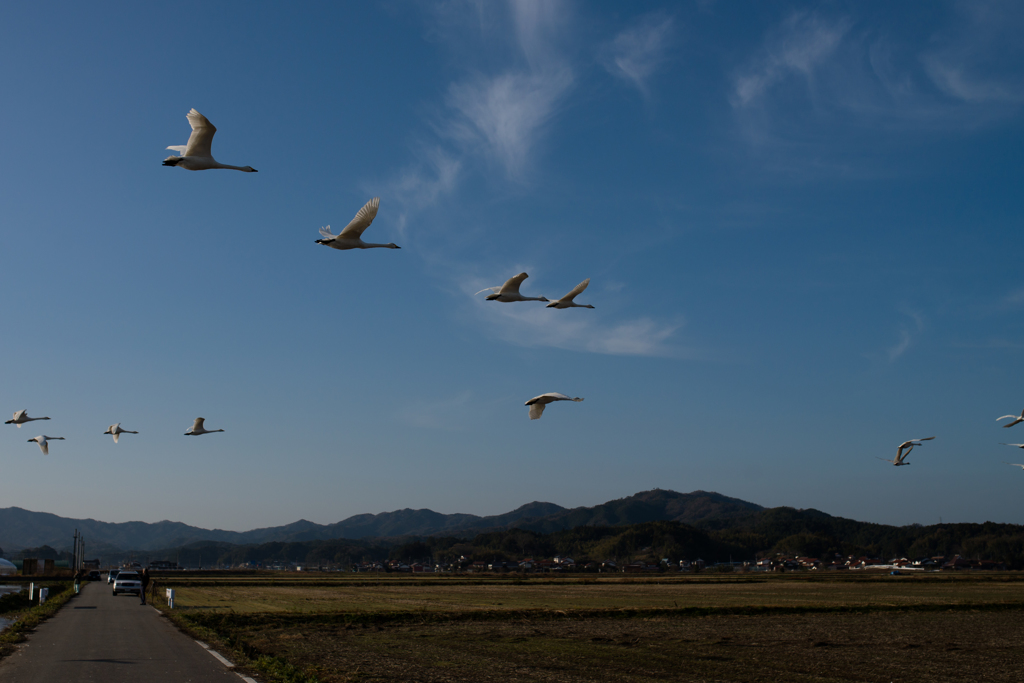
422	184
956	82
797	47
907	334
502	116
636	52
975	61
538	23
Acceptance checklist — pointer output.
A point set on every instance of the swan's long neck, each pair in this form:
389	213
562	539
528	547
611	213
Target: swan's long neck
217	164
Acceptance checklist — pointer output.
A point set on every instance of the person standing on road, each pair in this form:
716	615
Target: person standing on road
145	582
79	575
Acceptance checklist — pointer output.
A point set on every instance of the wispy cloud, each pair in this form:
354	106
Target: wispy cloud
819	85
636	52
983	35
956	82
502	116
796	48
907	334
421	184
498	116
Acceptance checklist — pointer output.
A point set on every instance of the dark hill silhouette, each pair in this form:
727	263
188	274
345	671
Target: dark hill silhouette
647	506
21	528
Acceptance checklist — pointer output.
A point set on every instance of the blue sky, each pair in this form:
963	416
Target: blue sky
800	222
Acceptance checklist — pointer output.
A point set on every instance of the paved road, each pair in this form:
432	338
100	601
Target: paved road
98	638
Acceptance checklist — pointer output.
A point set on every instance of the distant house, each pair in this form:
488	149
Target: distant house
160	565
957	563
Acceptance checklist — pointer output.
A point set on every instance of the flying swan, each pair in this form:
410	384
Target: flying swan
21	417
1015	418
567	300
197	428
196	155
901	455
351	236
510	292
538	403
42	441
117	431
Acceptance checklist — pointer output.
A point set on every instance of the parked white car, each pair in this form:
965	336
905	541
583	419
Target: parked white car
128	582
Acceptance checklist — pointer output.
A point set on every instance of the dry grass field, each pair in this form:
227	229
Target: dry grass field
742	628
641	594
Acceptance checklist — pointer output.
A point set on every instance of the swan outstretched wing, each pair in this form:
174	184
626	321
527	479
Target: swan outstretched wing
536	410
488	289
326	233
117	435
198	424
362	220
511	285
201	139
577	290
18	415
180	149
1016	445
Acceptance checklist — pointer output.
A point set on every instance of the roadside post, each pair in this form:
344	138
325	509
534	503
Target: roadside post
170	598
43	594
31	591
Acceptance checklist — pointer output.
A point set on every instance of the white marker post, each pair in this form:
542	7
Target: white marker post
31	591
170	598
43	594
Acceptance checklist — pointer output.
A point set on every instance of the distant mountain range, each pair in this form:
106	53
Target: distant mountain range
21	528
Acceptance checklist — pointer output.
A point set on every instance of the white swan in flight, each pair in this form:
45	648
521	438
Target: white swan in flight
42	441
510	292
196	155
1015	445
351	236
1014	464
116	430
21	417
537	403
1016	419
567	300
197	428
904	451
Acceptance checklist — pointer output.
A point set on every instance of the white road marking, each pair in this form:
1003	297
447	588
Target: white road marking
216	654
246	678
